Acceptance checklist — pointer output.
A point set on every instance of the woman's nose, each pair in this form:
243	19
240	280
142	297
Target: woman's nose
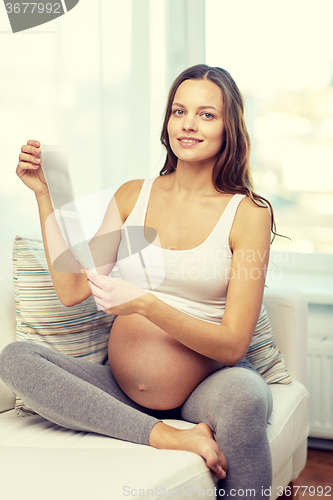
189	123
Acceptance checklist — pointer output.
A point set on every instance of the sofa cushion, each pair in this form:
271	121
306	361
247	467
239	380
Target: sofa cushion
287	429
80	331
105	473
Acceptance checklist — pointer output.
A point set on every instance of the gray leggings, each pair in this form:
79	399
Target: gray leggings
235	402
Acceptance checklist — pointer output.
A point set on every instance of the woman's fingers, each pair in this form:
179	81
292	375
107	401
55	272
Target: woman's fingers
102	303
29	160
28	168
32	147
99	281
33	142
30	152
96	291
28	157
103	299
110	292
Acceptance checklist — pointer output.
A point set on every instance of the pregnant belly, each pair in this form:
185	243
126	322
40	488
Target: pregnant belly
151	367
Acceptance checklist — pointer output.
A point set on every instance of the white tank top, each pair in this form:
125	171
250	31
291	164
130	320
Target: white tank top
193	281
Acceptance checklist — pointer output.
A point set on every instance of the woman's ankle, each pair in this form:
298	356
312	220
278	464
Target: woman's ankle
163	436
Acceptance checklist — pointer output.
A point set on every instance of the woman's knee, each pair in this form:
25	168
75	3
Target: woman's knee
12	355
16	348
7	356
244	393
240	411
252	391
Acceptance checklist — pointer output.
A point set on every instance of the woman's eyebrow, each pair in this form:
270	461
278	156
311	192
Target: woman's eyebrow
200	107
207	107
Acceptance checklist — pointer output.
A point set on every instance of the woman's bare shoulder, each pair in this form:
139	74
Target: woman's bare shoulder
256	210
126	197
250	219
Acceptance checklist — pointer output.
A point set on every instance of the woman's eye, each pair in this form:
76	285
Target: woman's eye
208	115
178	112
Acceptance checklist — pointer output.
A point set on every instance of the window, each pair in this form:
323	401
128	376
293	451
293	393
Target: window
281	56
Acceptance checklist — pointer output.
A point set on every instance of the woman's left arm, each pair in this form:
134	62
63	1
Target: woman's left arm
229	341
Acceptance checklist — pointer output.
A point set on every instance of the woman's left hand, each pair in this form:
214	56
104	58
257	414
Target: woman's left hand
114	295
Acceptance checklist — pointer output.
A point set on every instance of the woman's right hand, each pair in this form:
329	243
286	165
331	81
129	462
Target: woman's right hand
29	168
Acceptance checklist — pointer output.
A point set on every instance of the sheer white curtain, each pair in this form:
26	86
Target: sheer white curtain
95	79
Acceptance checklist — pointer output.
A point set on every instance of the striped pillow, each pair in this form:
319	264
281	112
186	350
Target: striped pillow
264	355
80	331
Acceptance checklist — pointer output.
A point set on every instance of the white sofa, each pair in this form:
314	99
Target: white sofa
40	460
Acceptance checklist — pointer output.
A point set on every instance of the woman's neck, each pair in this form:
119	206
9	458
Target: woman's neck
193	178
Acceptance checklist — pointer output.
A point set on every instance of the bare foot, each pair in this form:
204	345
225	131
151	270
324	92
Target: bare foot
199	440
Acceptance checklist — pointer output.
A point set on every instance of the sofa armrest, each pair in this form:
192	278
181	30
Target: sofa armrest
7	314
288	314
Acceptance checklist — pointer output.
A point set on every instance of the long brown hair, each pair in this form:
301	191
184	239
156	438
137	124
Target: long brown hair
231	172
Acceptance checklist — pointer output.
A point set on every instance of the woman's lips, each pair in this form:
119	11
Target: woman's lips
188	142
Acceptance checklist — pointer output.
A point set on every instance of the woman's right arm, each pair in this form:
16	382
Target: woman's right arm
71	287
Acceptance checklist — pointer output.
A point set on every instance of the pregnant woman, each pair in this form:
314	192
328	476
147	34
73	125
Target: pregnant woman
177	349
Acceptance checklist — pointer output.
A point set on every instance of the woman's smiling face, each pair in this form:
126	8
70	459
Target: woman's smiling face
195	125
